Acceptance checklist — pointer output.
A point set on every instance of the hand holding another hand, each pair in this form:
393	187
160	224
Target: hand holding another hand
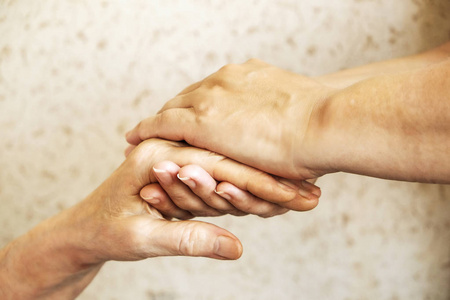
115	223
254	113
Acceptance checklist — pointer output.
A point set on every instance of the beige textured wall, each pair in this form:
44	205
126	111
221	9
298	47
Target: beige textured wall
75	75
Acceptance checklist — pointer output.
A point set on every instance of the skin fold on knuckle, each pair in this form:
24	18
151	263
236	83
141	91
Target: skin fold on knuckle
164	119
255	61
228	69
191	240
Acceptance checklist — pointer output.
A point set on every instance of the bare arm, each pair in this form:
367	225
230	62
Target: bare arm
351	76
58	258
393	126
51	261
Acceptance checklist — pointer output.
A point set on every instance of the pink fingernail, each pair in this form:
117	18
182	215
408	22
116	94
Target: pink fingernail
314	189
223	195
159	170
151	200
307	194
227	247
188	181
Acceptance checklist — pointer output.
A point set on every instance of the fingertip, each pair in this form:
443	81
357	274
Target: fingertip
156	196
167	166
132	137
152	194
223	194
268	188
165	172
302	204
312	188
227	247
195	176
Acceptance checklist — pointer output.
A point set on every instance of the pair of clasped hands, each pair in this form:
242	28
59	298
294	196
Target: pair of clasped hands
165	179
130	216
249	139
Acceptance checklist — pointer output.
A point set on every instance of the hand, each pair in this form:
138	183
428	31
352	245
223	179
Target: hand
243	190
253	113
58	258
190	191
124	218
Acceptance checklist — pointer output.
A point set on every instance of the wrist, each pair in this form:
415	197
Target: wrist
50	261
315	152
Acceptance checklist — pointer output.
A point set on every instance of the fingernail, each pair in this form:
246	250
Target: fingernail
284	185
159	170
188	181
227	247
314	189
223	195
151	200
307	195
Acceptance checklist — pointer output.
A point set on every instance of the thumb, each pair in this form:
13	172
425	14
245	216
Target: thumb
193	238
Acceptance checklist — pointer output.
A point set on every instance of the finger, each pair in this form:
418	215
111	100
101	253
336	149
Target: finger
309	193
190	88
305	187
129	149
248	203
263	185
313	180
204	186
179	102
191	238
166	174
173	124
256	62
258	183
154	195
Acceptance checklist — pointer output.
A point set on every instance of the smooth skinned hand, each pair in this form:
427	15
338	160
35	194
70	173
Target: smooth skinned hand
187	188
190	191
254	113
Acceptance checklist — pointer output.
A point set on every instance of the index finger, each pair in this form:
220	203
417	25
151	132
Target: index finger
173	124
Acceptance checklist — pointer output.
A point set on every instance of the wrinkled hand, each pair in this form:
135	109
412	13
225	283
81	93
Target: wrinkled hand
254	113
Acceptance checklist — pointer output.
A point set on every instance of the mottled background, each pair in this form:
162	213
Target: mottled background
76	75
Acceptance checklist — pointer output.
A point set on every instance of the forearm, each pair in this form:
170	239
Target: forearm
48	262
393	126
351	76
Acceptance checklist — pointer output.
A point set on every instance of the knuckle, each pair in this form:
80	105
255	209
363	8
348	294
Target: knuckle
189	240
246	207
229	68
254	61
140	129
163	118
234	212
203	109
207	213
267	215
147	151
